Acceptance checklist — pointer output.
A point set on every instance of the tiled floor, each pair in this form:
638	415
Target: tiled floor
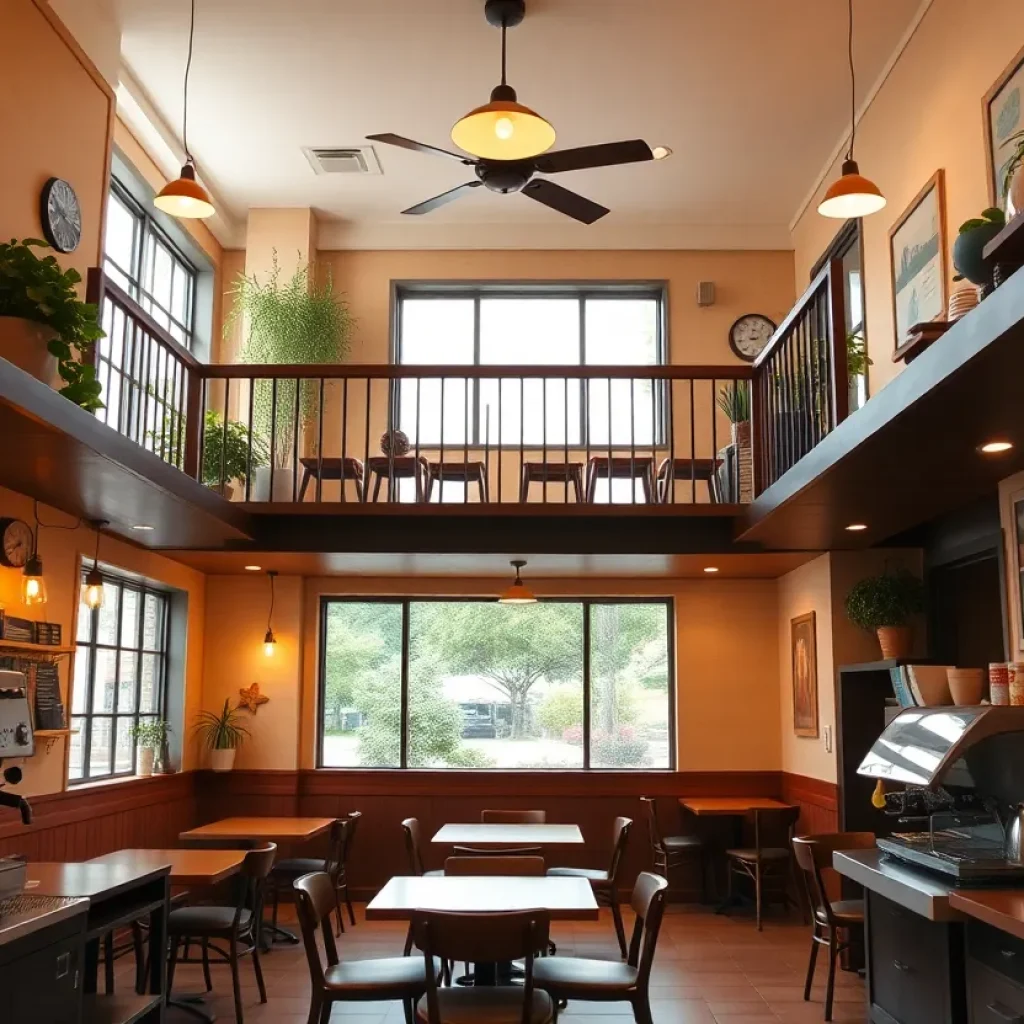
708	970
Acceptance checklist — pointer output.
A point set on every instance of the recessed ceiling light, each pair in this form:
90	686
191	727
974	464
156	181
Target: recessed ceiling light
143	527
995	447
254	568
711	568
661	152
857	527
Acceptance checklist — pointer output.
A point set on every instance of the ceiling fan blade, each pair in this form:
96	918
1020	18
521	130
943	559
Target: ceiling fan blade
605	155
443	199
390	139
564	201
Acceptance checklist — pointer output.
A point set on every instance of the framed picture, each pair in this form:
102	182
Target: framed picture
1001	109
804	643
917	259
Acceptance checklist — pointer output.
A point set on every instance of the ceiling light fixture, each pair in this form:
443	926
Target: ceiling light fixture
996	447
143	528
851	196
254	568
184	197
661	152
33	586
857	527
519	592
269	640
92	588
503	129
711	568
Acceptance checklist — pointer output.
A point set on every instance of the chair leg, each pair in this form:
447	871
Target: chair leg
642	1010
236	984
171	965
408	942
620	931
258	969
108	963
315	1006
757	894
273	911
140	959
348	904
833	955
810	965
407	1007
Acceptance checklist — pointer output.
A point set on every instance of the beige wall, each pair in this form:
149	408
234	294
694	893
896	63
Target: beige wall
927	115
62	551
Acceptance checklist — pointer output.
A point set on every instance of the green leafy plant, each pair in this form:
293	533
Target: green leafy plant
993	215
300	321
150	733
734	401
1016	159
223	730
226	450
890	599
39	289
857	360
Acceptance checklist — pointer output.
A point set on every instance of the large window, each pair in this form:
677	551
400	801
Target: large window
120	677
412	683
498	325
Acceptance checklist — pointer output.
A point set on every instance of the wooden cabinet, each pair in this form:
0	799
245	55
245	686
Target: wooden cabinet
41	975
915	967
995	976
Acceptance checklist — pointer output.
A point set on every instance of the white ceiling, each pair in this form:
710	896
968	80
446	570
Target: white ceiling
752	96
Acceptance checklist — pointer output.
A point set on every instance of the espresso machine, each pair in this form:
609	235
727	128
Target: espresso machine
954	779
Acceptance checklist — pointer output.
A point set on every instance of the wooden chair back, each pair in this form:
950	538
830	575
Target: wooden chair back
314	903
513	817
491	938
814	854
648	903
351	820
256	866
620	839
651	806
773	828
411	833
525	867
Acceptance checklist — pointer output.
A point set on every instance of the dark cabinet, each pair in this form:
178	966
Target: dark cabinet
915	967
41	976
995	976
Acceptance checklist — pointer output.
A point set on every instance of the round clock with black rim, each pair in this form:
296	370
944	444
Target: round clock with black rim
15	543
749	335
61	215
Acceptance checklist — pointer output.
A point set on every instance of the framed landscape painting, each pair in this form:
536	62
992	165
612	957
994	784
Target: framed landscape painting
804	644
1003	118
917	253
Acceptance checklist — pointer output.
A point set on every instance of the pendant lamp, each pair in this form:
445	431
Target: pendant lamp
852	195
92	588
519	592
269	640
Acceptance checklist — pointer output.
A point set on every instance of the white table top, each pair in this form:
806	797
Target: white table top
567	899
476	834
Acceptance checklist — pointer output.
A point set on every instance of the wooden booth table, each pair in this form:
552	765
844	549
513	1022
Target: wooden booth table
187	867
498	835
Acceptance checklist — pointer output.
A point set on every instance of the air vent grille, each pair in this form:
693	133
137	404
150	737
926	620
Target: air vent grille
342	159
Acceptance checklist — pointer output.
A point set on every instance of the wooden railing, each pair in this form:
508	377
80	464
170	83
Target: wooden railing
800	385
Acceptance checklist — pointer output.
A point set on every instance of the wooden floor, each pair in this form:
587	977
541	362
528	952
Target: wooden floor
708	970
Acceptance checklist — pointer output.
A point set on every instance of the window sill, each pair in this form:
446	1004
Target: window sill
120	780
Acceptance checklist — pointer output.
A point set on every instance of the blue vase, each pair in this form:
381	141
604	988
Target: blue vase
968	256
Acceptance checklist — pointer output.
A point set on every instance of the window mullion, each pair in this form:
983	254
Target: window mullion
587	605
403	759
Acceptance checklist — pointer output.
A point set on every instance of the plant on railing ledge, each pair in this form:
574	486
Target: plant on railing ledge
734	401
227	455
41	291
300	321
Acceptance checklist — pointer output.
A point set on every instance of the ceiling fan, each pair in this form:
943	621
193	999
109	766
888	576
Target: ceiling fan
508	145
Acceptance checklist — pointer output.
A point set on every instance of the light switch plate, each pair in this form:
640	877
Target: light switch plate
828	739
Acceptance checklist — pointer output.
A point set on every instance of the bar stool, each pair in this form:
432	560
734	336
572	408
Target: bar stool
671	470
316	468
400	467
568	473
620	467
460	472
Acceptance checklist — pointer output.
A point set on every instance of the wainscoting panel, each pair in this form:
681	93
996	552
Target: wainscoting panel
818	802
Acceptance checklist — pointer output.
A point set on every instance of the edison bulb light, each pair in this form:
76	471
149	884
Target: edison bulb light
504	128
33	586
269	643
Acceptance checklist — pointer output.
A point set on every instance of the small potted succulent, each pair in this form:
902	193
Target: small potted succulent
884	605
150	736
969	247
222	733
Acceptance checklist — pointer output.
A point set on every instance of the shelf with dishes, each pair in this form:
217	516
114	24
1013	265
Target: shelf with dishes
33	652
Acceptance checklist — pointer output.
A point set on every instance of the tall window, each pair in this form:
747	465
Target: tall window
500	325
411	683
120	677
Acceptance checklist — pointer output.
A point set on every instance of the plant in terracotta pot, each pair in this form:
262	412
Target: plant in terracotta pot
884	605
149	737
1013	175
44	327
969	247
222	733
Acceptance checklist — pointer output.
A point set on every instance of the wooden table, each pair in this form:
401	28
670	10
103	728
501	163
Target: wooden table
494	834
188	867
274	830
729	805
1000	908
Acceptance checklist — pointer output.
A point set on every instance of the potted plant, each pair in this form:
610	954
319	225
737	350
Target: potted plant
968	249
1013	176
734	401
44	325
884	605
228	454
857	363
298	321
223	733
149	737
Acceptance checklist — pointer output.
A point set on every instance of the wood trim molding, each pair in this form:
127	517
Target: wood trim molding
72	44
803	789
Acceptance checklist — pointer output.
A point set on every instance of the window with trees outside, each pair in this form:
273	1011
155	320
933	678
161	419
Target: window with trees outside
120	677
438	683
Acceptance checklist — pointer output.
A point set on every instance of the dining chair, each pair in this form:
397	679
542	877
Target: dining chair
669	852
838	924
378	980
238	926
414	848
604	981
527	867
604	882
505	818
770	859
483	938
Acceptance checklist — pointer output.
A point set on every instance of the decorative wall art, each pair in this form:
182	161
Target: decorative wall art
804	652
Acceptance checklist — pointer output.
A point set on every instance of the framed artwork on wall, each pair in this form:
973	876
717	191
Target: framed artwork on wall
804	652
917	259
1003	116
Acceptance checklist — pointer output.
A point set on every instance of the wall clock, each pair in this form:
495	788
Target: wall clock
749	335
15	543
61	215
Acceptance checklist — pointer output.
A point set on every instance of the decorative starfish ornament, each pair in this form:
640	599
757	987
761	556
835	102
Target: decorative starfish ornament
251	698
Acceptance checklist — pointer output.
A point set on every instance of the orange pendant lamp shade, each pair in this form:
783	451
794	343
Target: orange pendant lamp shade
519	592
185	197
503	129
851	196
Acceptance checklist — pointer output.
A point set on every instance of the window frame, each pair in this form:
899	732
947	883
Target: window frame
580	291
144	589
405	603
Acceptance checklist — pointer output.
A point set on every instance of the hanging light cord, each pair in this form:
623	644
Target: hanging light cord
40	525
188	68
96	553
853	83
270	614
503	82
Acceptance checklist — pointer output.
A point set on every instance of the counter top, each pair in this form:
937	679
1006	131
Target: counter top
1001	908
917	891
24	914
